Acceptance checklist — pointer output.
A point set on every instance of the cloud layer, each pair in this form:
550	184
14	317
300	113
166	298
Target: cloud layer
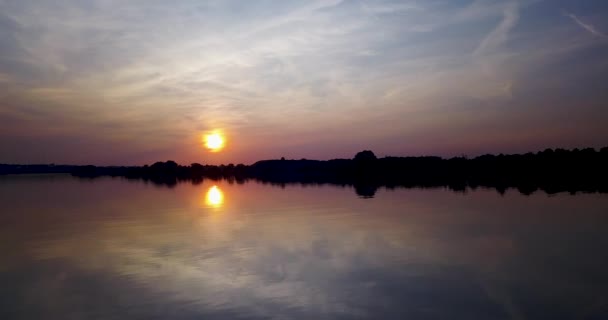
133	82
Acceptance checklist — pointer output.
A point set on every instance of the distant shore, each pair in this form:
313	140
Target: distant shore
552	171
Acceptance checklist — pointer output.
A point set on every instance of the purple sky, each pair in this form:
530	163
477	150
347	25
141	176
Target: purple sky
134	82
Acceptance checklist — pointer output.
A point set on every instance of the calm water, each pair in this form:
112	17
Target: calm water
114	249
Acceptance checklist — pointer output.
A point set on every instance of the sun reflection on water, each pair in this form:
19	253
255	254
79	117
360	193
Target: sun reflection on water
214	197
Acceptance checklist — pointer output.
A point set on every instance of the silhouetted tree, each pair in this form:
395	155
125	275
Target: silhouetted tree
364	161
550	170
171	165
365	156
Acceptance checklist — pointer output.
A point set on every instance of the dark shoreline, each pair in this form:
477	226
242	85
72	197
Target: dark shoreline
551	171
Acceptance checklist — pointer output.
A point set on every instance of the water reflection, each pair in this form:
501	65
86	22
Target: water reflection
122	250
214	197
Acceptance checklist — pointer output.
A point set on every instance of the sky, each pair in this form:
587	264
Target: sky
116	82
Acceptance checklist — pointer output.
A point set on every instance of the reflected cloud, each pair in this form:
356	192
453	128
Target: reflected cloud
214	197
298	253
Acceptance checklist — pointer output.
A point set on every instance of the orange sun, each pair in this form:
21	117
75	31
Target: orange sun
214	142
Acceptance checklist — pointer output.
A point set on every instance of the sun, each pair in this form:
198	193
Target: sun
214	142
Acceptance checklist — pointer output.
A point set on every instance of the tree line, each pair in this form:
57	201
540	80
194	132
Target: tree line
550	170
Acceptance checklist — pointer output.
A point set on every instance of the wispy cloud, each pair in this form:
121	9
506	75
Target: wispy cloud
500	34
155	69
591	29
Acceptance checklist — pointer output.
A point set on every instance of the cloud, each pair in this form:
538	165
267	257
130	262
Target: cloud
591	29
167	69
500	34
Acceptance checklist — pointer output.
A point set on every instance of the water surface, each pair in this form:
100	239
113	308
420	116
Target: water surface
116	249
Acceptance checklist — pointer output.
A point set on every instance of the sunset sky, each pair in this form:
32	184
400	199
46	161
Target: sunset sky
111	82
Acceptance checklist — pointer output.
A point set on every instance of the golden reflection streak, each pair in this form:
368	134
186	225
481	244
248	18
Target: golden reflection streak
214	197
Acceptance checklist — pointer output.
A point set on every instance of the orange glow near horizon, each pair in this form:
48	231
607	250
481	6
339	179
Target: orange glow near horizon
214	197
214	142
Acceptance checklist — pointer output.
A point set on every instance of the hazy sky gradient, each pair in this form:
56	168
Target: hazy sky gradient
133	82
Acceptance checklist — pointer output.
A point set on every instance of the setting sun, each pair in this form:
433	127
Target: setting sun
214	142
